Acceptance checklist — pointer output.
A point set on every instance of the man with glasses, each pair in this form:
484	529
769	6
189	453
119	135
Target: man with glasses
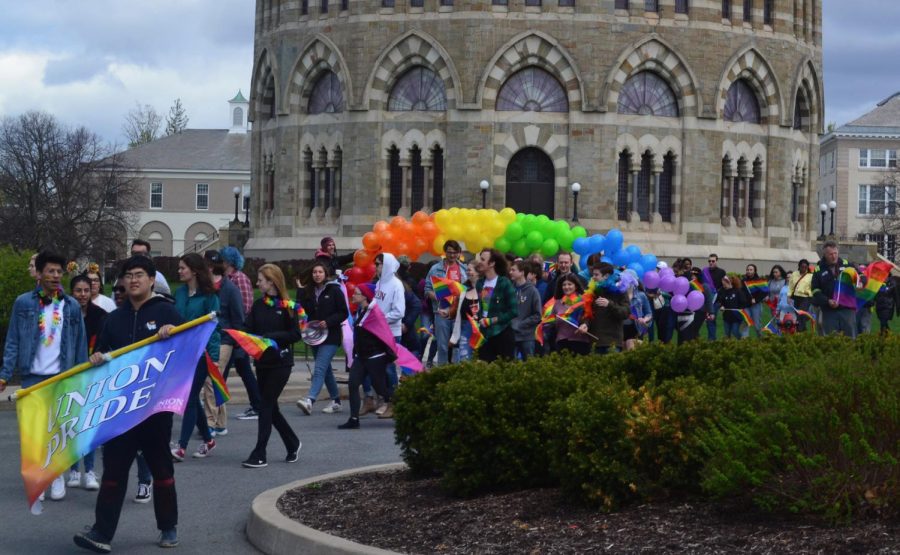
448	268
141	316
712	281
139	247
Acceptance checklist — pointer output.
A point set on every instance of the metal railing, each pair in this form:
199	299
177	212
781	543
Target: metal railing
202	246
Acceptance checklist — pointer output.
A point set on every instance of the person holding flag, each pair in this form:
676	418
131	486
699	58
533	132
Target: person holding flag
605	308
143	315
568	307
887	302
273	316
757	290
498	307
828	289
450	268
462	310
46	335
734	301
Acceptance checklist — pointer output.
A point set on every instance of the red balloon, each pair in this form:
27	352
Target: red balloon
370	241
368	272
355	275
362	258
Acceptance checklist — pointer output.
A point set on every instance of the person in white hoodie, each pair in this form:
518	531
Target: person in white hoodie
390	299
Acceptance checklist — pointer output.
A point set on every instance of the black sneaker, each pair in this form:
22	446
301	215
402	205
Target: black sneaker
350	424
254	462
93	540
248	414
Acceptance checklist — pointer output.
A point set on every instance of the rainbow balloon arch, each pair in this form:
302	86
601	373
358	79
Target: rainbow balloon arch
510	232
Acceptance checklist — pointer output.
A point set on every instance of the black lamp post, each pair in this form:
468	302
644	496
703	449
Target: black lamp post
831	206
822	209
237	194
484	187
576	187
247	209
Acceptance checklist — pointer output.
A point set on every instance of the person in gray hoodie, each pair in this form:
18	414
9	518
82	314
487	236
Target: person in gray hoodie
391	299
523	275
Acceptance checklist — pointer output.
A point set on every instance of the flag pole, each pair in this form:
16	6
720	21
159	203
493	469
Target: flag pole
111	355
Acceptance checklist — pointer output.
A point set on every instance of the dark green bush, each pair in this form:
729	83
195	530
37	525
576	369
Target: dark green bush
14	280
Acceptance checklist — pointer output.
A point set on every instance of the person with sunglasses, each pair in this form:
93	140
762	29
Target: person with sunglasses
712	281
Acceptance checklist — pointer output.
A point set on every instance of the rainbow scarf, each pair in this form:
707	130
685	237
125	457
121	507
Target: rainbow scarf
445	289
220	388
476	340
255	345
289	305
877	273
845	288
744	314
757	286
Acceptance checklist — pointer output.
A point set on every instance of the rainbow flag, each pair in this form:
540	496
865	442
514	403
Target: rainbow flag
476	340
71	414
772	327
697	286
877	273
845	288
745	315
805	314
547	316
220	388
757	286
255	345
574	313
446	289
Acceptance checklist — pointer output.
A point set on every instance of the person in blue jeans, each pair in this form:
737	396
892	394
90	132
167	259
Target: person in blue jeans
733	299
326	309
448	268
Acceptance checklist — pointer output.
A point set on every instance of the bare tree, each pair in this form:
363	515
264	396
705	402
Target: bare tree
177	119
887	222
141	125
62	188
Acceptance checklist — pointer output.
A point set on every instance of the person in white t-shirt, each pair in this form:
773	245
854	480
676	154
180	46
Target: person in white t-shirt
97	297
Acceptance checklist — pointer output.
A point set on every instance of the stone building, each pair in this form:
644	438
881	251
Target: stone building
692	125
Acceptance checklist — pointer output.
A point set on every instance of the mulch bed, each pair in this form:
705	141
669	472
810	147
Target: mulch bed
391	510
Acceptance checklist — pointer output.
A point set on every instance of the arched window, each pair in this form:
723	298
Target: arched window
327	97
741	103
396	181
532	90
419	89
268	99
647	94
237	117
801	112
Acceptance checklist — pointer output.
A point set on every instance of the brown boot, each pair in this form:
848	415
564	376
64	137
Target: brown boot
388	411
367	406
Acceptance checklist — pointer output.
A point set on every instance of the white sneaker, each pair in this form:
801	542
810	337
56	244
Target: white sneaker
41	496
90	481
74	479
381	410
58	488
305	405
332	408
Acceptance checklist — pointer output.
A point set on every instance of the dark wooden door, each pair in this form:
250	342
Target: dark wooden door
529	182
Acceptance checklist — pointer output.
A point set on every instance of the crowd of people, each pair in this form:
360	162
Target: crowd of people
498	306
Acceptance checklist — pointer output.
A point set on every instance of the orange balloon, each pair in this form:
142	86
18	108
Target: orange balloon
380	226
370	241
397	222
362	258
401	247
428	230
419	245
407	230
420	218
387	239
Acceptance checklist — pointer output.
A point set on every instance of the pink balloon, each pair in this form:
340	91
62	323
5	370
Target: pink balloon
695	300
667	283
651	279
667	272
682	286
679	303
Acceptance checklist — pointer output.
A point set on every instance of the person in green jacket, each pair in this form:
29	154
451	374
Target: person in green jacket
498	306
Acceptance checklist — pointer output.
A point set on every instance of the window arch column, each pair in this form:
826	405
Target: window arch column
728	186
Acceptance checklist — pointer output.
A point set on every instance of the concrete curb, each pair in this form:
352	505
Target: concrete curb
275	534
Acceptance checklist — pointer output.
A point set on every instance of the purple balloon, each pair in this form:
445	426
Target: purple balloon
695	300
651	280
667	283
682	286
667	272
679	303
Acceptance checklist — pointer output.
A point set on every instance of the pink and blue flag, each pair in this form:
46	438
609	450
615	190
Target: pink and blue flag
375	322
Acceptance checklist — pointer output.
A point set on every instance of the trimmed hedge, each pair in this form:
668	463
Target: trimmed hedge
800	423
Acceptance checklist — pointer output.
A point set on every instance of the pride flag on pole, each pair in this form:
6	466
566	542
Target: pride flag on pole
375	323
476	340
757	285
744	314
69	415
877	273
845	288
255	345
446	289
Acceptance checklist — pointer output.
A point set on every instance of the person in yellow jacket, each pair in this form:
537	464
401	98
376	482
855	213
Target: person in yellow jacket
800	289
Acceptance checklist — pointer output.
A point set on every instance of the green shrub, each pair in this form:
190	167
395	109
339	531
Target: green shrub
14	280
819	437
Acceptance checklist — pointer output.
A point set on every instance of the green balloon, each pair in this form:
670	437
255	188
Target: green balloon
534	240
565	240
549	247
528	223
520	248
579	231
543	219
503	245
514	232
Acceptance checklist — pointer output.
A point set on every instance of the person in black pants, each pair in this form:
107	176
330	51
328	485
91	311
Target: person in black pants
370	358
124	326
273	316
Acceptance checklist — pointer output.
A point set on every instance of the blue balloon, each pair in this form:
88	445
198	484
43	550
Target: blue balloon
634	253
638	269
597	242
649	261
582	246
620	258
613	241
606	259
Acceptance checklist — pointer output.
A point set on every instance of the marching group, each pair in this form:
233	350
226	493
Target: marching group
493	307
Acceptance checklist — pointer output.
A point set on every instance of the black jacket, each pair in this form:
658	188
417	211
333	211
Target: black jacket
823	282
365	343
733	299
275	323
330	307
887	301
125	326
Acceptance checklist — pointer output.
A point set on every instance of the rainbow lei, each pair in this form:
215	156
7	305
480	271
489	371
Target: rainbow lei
288	305
47	336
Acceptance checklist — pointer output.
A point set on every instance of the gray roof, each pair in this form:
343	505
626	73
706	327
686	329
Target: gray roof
194	150
239	97
885	114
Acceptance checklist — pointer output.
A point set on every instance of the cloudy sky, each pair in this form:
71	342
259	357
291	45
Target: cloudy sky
89	61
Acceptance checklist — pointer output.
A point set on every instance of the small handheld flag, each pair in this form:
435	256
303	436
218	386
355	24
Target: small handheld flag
255	345
744	314
757	286
476	340
445	289
845	288
220	388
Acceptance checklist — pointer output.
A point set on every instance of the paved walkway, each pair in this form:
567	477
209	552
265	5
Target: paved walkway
214	494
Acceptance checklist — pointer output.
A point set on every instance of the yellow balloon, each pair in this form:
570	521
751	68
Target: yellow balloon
437	246
508	215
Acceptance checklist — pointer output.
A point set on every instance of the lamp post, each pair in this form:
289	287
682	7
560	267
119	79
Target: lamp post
247	209
822	209
831	206
237	194
576	187
484	187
